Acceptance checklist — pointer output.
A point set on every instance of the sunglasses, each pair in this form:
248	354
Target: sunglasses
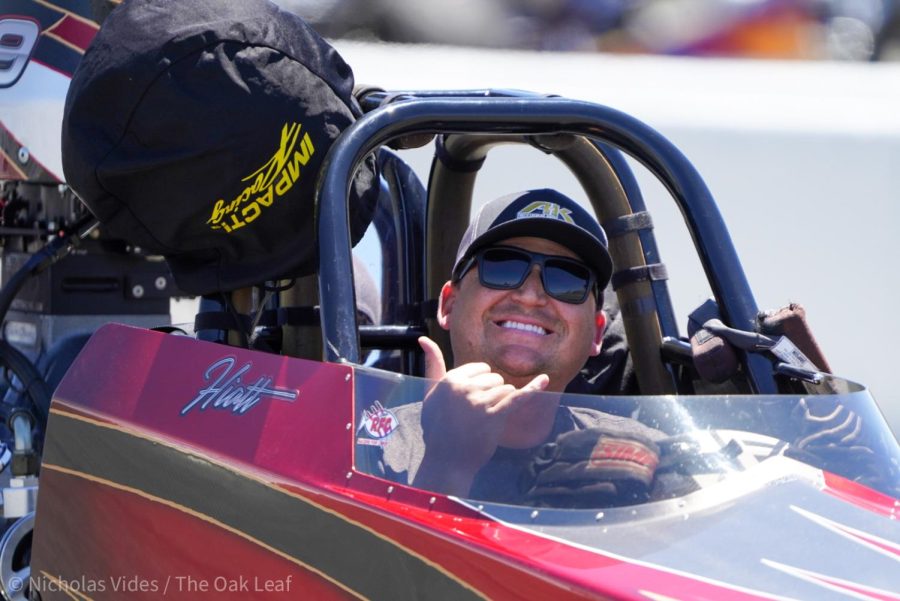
507	268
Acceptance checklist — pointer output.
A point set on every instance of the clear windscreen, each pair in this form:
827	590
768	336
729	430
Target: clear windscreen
584	451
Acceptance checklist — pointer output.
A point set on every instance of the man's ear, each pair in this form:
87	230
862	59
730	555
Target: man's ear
600	322
445	304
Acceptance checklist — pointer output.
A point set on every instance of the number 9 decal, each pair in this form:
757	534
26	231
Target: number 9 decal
18	37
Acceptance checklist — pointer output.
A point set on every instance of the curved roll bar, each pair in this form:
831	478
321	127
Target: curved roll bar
457	113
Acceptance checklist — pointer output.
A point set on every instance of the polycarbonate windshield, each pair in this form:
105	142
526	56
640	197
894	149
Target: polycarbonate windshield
582	451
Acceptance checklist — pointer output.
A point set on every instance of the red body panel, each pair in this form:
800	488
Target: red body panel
110	563
144	476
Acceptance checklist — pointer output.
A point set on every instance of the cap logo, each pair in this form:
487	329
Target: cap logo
546	210
275	178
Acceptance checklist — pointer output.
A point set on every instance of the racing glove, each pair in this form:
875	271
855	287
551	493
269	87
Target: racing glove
594	467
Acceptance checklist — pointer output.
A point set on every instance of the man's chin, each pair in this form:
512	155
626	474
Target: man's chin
519	370
519	365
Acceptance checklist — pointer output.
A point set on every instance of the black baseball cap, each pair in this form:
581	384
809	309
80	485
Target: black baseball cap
540	213
197	129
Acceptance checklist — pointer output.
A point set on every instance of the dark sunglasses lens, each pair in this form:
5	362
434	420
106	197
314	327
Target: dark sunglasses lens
502	268
566	280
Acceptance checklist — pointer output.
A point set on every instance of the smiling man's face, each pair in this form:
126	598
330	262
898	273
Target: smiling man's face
522	332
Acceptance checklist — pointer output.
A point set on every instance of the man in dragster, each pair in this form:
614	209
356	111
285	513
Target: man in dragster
524	311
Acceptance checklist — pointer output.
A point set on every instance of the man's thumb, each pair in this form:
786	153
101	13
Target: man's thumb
435	368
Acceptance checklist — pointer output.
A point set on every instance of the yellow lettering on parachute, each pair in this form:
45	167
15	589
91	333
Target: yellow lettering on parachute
292	173
251	212
266	199
218	211
276	177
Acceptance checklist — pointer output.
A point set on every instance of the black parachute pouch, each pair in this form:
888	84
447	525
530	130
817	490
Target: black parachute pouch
196	130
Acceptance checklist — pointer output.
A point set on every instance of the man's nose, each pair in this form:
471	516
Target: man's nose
532	289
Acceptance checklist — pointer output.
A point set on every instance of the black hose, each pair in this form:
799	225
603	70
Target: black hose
42	259
33	384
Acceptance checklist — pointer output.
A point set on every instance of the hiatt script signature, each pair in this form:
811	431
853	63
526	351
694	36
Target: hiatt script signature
227	391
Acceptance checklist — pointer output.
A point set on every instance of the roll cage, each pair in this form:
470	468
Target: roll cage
421	227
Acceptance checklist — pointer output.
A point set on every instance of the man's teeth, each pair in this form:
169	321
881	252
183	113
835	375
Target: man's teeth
525	327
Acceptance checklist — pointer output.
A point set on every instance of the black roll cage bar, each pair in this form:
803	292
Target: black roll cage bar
520	114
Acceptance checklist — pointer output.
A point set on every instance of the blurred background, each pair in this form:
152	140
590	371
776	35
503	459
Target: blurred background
797	29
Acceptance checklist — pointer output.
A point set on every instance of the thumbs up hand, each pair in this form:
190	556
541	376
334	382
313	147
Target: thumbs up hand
463	418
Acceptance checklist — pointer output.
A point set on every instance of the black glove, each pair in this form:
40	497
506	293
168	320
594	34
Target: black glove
595	467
